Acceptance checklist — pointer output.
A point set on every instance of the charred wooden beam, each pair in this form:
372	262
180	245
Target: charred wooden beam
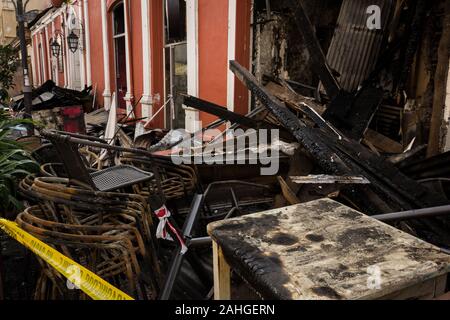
219	111
298	128
224	114
318	59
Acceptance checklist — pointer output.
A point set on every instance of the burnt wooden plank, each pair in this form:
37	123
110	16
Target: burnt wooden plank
383	143
233	117
219	111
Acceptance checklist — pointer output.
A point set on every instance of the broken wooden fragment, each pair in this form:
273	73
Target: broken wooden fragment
382	143
307	107
294	100
411	156
288	194
325	179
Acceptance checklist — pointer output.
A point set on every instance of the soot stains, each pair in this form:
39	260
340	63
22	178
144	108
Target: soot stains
284	239
250	225
327	292
315	238
361	235
326	206
350	214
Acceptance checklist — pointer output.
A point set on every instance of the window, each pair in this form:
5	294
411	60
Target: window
175	62
175	20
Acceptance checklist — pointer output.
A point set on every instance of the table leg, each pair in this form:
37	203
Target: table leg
222	275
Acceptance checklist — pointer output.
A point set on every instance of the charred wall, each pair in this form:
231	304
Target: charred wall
278	45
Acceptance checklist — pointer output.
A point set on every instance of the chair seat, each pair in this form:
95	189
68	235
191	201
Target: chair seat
119	177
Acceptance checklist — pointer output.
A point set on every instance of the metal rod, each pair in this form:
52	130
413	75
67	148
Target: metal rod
414	214
85	142
200	242
27	91
177	258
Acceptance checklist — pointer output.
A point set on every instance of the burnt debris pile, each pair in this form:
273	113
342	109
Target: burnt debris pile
349	116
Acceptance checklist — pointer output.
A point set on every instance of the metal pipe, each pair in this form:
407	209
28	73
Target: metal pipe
200	242
85	142
414	214
197	204
178	257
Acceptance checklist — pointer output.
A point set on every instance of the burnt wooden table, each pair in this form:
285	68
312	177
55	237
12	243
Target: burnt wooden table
324	250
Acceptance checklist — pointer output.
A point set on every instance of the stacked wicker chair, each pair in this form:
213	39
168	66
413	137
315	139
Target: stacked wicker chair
109	233
177	181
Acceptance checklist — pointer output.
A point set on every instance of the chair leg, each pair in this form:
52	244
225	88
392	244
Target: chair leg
222	275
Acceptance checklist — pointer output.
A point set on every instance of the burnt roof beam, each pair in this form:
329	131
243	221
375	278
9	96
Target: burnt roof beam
318	59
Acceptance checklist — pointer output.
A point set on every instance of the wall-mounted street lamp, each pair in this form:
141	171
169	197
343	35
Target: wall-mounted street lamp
56	48
73	41
55	43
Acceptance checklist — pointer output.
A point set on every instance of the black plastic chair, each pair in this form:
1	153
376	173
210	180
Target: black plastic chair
110	179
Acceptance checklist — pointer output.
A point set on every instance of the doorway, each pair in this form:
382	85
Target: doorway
175	58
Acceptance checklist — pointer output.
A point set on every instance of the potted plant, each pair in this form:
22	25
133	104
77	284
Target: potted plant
15	164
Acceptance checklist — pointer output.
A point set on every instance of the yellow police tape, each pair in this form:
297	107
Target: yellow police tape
91	284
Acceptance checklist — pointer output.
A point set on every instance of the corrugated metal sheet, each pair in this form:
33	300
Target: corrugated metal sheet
355	48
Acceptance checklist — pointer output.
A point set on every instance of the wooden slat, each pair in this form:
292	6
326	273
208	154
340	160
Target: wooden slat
382	142
222	275
288	194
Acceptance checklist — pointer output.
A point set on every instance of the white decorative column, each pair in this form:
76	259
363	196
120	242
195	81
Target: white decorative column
87	35
129	95
63	51
231	52
67	52
192	115
107	92
44	69
81	50
33	64
146	101
35	61
49	58
55	58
